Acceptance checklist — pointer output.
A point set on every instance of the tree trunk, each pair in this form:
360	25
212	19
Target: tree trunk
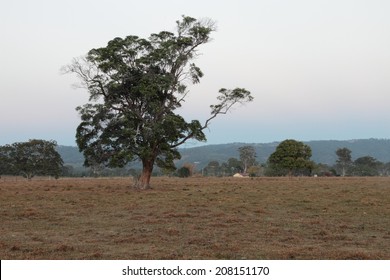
143	181
343	172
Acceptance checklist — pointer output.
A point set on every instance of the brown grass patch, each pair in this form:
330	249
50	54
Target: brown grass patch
196	218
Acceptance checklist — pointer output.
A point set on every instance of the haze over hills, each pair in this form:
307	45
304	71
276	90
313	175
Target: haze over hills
323	151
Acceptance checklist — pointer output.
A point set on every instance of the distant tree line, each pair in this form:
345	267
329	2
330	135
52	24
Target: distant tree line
362	166
246	164
292	158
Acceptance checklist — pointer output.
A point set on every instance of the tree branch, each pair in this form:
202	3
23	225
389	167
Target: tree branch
228	98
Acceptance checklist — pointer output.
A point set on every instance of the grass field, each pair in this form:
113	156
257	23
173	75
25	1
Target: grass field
196	218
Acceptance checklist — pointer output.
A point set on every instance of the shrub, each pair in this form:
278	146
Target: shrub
183	172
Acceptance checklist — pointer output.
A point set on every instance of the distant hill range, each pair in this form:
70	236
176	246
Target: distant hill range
323	151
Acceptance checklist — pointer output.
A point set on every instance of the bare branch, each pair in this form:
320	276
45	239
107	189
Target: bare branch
228	98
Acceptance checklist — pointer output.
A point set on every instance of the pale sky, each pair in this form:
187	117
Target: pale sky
318	70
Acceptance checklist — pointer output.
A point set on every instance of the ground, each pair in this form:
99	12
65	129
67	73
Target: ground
196	218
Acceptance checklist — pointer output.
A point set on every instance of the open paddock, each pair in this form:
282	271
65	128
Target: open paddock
196	218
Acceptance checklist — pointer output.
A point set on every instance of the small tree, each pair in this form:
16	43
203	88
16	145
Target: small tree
184	172
212	168
291	157
135	86
385	169
190	167
366	166
322	169
234	165
255	171
344	160
36	157
247	157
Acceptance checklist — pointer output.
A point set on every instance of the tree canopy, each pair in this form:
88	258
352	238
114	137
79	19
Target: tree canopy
247	157
135	86
291	157
35	157
344	160
366	166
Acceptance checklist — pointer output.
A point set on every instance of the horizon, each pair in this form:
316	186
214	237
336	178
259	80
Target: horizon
265	143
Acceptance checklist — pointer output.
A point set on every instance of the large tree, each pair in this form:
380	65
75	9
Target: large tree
35	157
291	157
135	87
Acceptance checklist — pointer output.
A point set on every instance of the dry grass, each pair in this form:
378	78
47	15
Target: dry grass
196	218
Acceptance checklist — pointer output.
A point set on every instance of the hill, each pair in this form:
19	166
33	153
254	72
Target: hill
71	155
323	151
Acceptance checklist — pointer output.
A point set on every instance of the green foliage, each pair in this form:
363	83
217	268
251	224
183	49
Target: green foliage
184	172
344	160
291	157
35	157
135	86
255	171
366	166
234	165
6	164
323	170
228	168
344	155
247	156
213	168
